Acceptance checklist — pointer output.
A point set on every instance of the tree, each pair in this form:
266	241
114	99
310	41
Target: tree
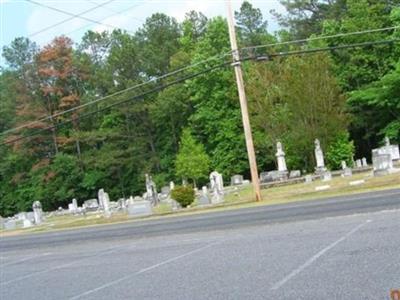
193	27
306	17
377	107
158	41
216	119
341	149
252	29
191	162
295	100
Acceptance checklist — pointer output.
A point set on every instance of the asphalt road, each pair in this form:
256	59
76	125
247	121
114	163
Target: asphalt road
338	248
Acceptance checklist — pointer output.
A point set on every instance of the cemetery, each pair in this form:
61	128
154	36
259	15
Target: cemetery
279	186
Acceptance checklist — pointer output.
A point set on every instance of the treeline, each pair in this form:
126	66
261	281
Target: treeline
348	98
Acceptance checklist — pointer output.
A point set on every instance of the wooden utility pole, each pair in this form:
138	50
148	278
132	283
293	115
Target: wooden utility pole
243	104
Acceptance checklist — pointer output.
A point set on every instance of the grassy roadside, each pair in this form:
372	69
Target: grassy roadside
241	199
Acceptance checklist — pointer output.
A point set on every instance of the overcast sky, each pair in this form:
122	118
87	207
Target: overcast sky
22	18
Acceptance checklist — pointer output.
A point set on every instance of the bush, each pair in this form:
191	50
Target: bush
184	195
340	149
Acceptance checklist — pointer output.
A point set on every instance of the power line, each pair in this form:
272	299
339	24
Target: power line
109	16
193	65
248	58
138	97
356	45
45	118
72	15
323	37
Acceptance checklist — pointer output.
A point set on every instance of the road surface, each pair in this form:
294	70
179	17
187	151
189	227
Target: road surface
339	248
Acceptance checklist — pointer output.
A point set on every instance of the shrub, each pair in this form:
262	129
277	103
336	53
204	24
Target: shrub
184	195
340	149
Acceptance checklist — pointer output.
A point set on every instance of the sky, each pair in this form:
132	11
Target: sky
24	18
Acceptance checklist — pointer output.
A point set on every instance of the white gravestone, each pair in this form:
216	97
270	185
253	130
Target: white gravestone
27	223
382	163
295	174
358	163
171	185
346	171
37	212
393	150
151	190
104	201
237	180
203	198
10	224
139	208
280	157
75	203
217	186
327	176
364	162
319	157
308	179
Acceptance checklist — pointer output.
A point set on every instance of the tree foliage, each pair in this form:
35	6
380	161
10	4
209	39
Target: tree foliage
192	162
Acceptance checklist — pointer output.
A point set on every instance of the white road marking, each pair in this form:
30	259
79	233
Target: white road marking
316	256
100	253
23	259
141	271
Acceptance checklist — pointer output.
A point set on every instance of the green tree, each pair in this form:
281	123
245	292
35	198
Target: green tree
340	149
252	29
192	162
306	17
216	119
295	101
377	107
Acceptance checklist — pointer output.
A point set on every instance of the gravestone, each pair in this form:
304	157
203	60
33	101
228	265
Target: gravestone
271	176
358	163
319	157
364	162
347	172
91	204
237	180
280	157
151	190
75	203
308	179
382	163
30	216
122	204
203	199
393	150
171	185
21	216
10	224
327	176
104	201
165	190
100	196
344	165
265	177
139	208
71	208
37	212
217	187
26	223
295	174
